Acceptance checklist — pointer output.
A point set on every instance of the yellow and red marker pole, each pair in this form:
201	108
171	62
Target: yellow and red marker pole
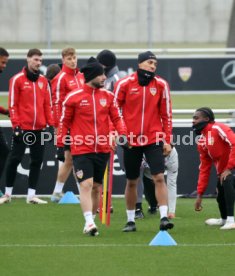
106	193
110	188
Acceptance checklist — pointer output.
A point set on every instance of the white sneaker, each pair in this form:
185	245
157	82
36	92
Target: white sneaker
228	226
91	229
56	197
5	199
215	222
35	200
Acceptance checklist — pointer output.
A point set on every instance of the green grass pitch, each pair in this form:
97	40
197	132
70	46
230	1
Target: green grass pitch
48	240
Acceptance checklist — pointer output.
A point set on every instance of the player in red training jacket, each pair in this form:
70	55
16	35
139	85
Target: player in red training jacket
216	145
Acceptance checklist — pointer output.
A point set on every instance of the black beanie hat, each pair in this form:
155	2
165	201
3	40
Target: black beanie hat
92	69
145	56
107	58
52	71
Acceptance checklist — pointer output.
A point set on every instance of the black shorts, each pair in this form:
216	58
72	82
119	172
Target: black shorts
133	158
90	165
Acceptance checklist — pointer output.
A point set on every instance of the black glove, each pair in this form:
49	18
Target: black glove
123	142
6	112
60	154
18	134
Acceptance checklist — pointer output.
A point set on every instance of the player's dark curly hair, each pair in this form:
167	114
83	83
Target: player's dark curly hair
207	112
3	52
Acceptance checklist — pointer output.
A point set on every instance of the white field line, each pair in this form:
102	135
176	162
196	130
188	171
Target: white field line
110	245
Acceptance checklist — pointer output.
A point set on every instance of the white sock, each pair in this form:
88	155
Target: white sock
58	187
8	191
230	219
130	215
31	193
88	217
163	211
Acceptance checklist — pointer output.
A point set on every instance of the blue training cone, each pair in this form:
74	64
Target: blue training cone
69	198
163	238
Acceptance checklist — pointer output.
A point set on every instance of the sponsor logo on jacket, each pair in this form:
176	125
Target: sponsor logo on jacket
134	91
27	85
72	83
211	141
84	102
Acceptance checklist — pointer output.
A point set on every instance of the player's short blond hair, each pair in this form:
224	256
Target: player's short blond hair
69	51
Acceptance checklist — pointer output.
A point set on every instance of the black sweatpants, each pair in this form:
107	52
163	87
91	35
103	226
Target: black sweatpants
226	196
4	150
149	192
16	155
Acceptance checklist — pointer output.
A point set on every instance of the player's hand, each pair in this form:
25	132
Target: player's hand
60	154
224	175
113	144
167	149
198	204
18	134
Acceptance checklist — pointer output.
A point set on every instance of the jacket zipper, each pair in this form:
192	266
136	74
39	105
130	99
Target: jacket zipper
143	109
76	80
35	106
95	126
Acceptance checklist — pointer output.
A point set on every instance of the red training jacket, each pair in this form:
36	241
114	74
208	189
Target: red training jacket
64	82
146	109
86	112
216	145
30	104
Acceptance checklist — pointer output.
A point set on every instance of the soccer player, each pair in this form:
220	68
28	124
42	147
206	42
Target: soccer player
30	112
52	71
86	112
146	108
108	59
216	145
4	150
171	167
68	79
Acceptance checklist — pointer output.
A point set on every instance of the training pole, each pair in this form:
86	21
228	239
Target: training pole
110	188
101	203
105	195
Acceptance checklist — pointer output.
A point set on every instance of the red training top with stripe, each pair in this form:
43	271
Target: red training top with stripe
30	104
86	113
146	110
64	82
216	145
